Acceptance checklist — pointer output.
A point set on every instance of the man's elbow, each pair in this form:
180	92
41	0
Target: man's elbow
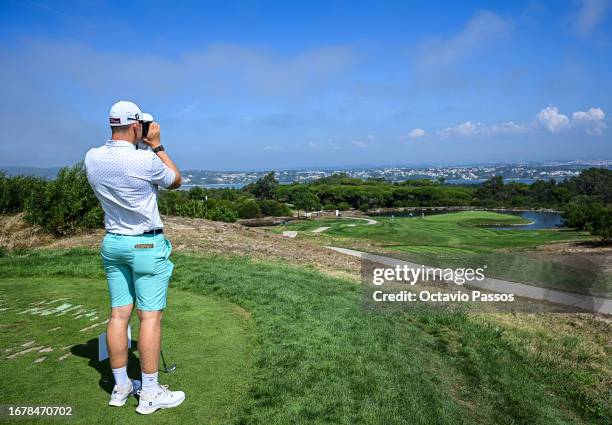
176	183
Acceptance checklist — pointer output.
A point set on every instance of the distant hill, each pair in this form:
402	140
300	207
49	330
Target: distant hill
46	173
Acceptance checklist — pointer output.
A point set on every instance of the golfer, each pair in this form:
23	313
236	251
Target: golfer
125	178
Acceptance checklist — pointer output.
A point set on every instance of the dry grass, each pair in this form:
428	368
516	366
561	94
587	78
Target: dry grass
194	234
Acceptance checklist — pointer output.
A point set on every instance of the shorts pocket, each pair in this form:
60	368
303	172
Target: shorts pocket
144	259
168	248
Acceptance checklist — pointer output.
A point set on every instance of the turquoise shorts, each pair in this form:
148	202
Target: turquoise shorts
138	269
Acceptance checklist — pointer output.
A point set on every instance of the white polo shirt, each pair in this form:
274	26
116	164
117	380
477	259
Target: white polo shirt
125	181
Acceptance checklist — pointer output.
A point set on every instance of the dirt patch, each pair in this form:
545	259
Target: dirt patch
588	257
194	234
15	233
587	247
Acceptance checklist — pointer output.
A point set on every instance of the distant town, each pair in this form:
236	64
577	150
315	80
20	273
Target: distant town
465	174
526	172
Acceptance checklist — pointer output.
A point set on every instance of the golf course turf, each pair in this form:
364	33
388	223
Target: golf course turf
459	239
263	343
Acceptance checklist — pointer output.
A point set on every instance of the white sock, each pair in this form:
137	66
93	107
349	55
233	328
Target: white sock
149	383
121	377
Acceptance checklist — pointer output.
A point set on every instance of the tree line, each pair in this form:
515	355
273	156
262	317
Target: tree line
67	203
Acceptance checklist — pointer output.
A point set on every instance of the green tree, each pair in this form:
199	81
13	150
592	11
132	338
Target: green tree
303	199
593	217
264	188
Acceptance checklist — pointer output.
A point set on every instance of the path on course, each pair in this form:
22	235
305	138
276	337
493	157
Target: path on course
369	220
583	302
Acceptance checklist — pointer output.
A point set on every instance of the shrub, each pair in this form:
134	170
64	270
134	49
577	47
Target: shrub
249	209
344	206
272	208
222	211
330	207
15	191
66	204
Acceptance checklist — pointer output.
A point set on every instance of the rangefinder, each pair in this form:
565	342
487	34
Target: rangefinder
145	121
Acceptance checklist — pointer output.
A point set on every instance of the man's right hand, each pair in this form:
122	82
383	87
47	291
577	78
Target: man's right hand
153	138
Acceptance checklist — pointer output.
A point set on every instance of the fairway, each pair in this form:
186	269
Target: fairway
458	230
301	349
460	239
61	317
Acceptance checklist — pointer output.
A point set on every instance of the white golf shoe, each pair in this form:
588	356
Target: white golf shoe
120	395
163	398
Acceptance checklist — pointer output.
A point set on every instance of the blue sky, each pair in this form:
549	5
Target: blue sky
272	85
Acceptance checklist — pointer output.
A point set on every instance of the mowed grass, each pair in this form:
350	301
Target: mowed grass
209	338
459	230
310	225
318	357
458	240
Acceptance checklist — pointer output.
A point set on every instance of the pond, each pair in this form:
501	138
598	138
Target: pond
538	219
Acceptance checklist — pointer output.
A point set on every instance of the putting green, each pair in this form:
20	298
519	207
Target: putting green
208	338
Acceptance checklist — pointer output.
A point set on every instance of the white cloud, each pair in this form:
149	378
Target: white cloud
272	148
416	133
360	143
483	29
590	15
593	121
554	121
469	129
508	128
465	129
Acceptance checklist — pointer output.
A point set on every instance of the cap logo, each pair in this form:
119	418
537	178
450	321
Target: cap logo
115	120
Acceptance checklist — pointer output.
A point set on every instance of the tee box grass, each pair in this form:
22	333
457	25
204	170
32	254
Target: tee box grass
263	343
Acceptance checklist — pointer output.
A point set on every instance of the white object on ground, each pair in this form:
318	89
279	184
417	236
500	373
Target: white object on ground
290	233
21	353
64	357
70	309
93	326
57	309
320	229
103	348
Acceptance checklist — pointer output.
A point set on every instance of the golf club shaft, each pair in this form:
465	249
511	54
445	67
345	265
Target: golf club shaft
163	360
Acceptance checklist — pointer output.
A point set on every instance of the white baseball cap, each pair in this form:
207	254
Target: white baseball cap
125	113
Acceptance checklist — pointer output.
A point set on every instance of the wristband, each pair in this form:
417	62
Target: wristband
158	149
